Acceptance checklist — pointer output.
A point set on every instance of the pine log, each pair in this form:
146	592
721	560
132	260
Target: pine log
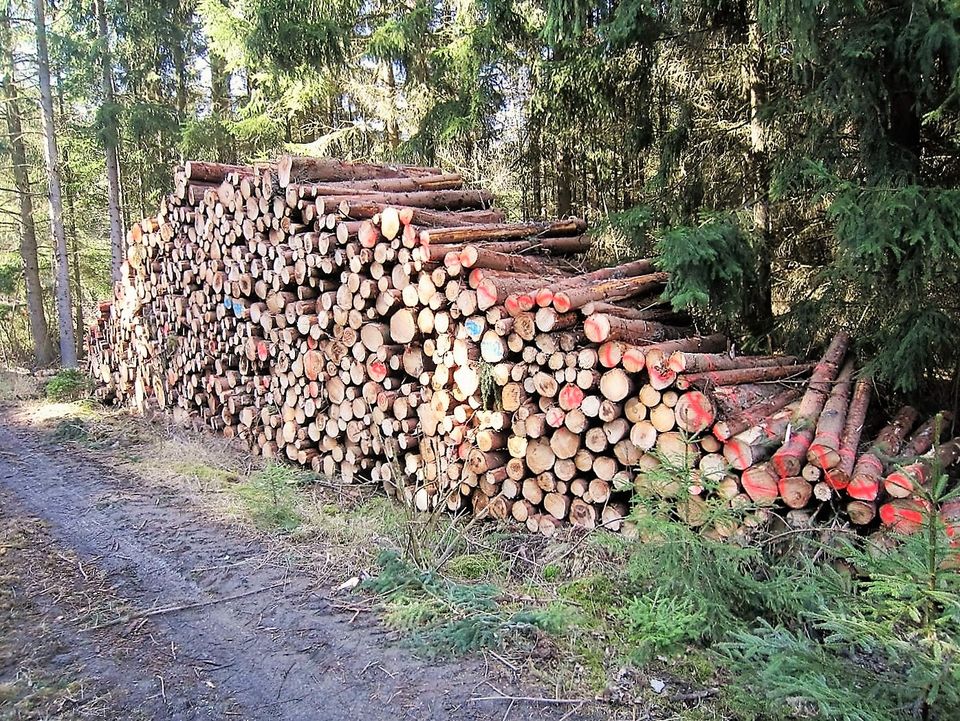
839	475
443	181
909	480
212	172
500	231
795	491
696	344
694	412
544	296
738	376
758	442
924	438
291	168
760	482
482	258
904	515
824	451
789	459
600	327
681	362
861	512
612	289
753	414
867	473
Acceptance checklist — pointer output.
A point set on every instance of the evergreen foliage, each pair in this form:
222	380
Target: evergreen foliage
445	617
710	266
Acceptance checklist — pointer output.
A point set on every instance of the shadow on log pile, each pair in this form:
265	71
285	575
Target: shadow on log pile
383	323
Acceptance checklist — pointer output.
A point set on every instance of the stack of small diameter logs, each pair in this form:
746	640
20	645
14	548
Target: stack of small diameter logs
384	322
797	448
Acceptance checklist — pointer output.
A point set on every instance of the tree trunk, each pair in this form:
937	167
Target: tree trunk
28	231
759	305
219	84
536	178
564	184
71	219
393	125
110	142
68	352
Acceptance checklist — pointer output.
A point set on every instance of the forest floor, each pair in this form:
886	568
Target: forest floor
144	574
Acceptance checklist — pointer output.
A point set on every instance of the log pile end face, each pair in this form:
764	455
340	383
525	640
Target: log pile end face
386	323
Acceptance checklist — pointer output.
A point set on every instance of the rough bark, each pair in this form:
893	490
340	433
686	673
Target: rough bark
39	331
789	459
68	352
758	300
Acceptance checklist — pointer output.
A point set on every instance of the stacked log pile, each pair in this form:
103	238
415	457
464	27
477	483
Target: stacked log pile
384	323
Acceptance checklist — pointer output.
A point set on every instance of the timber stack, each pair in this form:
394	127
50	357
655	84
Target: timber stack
385	323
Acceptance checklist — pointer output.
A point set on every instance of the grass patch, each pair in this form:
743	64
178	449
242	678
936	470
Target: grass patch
204	472
475	566
71	430
270	497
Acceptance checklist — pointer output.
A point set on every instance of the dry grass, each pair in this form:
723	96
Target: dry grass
17	384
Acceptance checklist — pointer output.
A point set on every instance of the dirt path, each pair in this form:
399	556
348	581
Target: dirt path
83	546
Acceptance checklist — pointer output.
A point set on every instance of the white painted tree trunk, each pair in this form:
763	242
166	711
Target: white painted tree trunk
68	350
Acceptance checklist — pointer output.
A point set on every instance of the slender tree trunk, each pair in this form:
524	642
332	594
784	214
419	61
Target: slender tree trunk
71	219
68	351
110	142
219	83
77	279
39	331
393	125
564	184
759	310
220	98
181	63
536	180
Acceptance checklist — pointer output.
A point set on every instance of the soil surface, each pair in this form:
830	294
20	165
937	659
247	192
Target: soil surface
87	557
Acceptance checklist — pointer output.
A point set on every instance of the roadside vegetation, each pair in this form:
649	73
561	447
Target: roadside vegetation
800	622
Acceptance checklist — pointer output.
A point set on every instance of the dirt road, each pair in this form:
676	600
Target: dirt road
83	546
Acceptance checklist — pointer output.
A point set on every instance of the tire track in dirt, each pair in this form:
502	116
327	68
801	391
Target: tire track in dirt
282	652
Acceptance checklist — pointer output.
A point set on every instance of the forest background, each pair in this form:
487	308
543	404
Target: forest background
794	163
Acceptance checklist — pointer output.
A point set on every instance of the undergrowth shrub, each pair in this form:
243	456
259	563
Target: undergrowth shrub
68	384
886	649
659	622
444	617
270	497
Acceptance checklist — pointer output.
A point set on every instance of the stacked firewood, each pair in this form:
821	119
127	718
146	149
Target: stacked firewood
384	323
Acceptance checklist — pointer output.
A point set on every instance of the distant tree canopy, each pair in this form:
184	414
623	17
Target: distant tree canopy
794	162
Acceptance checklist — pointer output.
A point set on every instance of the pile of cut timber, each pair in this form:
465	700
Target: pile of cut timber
384	323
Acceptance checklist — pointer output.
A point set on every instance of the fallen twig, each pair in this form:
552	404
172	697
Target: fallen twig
530	699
